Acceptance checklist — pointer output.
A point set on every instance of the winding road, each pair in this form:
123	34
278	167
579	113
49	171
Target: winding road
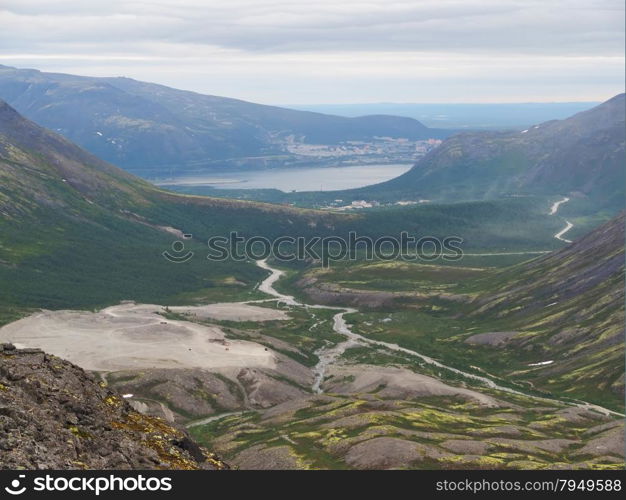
568	225
555	206
328	355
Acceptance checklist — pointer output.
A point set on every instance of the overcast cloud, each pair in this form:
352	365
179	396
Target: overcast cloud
331	51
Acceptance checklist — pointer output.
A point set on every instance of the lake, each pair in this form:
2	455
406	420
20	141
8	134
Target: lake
295	179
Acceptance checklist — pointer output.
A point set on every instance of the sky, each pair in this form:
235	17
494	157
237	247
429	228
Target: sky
331	51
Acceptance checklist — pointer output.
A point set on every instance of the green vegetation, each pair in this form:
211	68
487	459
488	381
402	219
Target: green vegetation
76	232
94	247
93	265
563	312
434	432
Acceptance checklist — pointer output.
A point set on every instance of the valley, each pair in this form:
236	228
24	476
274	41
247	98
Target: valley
356	381
509	358
359	422
97	233
419	267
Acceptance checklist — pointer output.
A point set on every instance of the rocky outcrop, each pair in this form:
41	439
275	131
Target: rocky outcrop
54	415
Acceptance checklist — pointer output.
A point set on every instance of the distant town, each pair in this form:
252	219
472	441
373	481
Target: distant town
380	150
359	204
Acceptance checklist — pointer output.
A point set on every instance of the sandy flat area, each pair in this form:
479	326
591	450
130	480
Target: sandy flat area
134	336
228	311
231	311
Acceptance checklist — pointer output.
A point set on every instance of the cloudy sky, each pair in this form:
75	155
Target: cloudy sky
331	51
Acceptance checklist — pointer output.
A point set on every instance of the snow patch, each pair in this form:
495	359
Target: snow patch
542	363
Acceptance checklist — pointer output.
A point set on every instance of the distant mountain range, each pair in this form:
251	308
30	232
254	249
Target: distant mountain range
582	157
156	131
472	116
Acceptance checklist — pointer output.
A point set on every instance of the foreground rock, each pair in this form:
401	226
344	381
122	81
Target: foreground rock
54	415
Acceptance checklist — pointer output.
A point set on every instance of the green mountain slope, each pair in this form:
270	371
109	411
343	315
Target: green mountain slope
553	324
583	155
153	130
77	232
569	309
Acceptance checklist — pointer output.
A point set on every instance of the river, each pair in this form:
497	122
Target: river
328	355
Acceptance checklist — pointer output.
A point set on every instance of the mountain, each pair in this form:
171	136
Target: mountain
79	233
474	116
57	416
153	130
76	231
41	169
582	156
568	309
554	323
97	233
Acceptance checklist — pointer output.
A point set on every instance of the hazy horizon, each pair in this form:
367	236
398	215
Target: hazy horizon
337	104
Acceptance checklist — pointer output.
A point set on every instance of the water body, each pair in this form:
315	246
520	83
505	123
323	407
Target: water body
295	179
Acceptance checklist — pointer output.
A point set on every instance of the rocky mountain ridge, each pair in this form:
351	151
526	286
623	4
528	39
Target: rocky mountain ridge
54	415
